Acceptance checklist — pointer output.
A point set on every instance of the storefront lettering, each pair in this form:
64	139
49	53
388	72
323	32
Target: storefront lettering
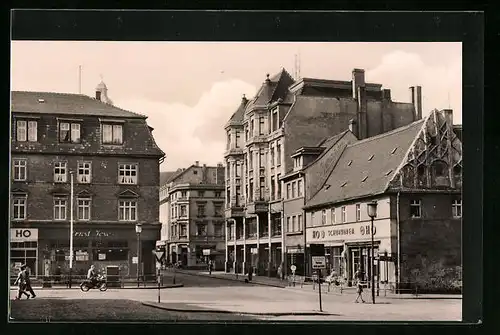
365	230
97	233
333	232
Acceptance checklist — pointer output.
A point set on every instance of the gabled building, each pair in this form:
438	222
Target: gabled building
414	173
194	200
263	133
114	161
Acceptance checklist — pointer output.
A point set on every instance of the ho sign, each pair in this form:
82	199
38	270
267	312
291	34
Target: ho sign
23	234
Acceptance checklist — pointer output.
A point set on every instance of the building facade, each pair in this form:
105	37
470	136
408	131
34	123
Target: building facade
194	199
262	135
110	154
414	173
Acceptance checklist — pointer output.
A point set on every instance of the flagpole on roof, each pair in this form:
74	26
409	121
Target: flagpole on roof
79	79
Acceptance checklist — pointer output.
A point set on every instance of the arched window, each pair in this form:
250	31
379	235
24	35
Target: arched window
421	176
440	176
408	176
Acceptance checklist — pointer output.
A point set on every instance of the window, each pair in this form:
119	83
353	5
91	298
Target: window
60	172
358	212
84	169
273	188
238	195
183	210
217	210
26	130
69	132
238	169
201	230
288	190
323	217
456	207
343	218
251	128
183	232
246	134
201	210
19	208
275	120
415	210
279	185
127	210
299	188
60	208
228	140
127	173
237	144
333	218
288	227
218	231
83	209
262	160
271	149
218	194
299	219
250	160
183	194
278	154
294	189
201	194
262	188
251	189
294	223
313	219
19	169
112	134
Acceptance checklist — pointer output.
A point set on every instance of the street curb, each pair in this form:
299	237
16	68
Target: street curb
231	279
186	310
120	288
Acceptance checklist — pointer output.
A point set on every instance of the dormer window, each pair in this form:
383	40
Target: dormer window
69	132
112	133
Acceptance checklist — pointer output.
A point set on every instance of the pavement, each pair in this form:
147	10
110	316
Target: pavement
270	303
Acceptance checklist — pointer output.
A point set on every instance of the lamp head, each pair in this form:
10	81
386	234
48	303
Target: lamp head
372	209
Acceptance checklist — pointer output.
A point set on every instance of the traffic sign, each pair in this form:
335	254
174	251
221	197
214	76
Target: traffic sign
318	262
159	255
293	268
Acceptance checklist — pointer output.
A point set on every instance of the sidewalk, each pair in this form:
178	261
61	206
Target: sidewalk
127	286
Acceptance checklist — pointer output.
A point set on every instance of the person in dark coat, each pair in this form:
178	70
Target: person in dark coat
21	283
359	285
28	281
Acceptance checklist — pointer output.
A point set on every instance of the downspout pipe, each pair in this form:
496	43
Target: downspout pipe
398	269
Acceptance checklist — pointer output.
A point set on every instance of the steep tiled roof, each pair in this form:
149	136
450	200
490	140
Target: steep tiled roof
284	80
166	176
240	112
367	166
66	104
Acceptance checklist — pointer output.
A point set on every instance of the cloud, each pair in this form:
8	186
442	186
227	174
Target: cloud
441	85
191	133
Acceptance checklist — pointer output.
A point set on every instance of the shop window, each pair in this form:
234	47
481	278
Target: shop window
127	173
415	209
19	169
110	255
456	207
60	172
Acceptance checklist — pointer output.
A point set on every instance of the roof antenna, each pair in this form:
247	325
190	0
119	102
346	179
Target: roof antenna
297	67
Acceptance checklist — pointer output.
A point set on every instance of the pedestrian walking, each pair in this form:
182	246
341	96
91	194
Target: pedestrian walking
209	266
21	283
359	286
28	282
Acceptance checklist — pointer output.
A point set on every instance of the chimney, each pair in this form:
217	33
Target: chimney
352	127
416	100
362	124
98	95
197	163
244	99
448	114
386	94
358	79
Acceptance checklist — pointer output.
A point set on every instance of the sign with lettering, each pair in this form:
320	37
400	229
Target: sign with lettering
23	234
318	262
348	232
92	233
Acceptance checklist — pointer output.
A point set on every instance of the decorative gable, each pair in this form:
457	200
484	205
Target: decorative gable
128	194
85	193
19	192
434	161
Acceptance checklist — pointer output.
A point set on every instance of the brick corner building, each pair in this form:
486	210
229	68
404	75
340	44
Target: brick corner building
114	161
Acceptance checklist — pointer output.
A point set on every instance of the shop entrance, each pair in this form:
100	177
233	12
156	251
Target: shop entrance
360	259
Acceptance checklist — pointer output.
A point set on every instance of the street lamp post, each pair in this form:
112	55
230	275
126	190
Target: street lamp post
372	213
138	230
70	229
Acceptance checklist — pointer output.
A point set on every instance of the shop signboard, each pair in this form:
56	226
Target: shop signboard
358	231
23	234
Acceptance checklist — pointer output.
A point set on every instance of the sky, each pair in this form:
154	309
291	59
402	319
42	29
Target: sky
189	90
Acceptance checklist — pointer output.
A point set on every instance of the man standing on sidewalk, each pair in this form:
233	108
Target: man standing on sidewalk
28	282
